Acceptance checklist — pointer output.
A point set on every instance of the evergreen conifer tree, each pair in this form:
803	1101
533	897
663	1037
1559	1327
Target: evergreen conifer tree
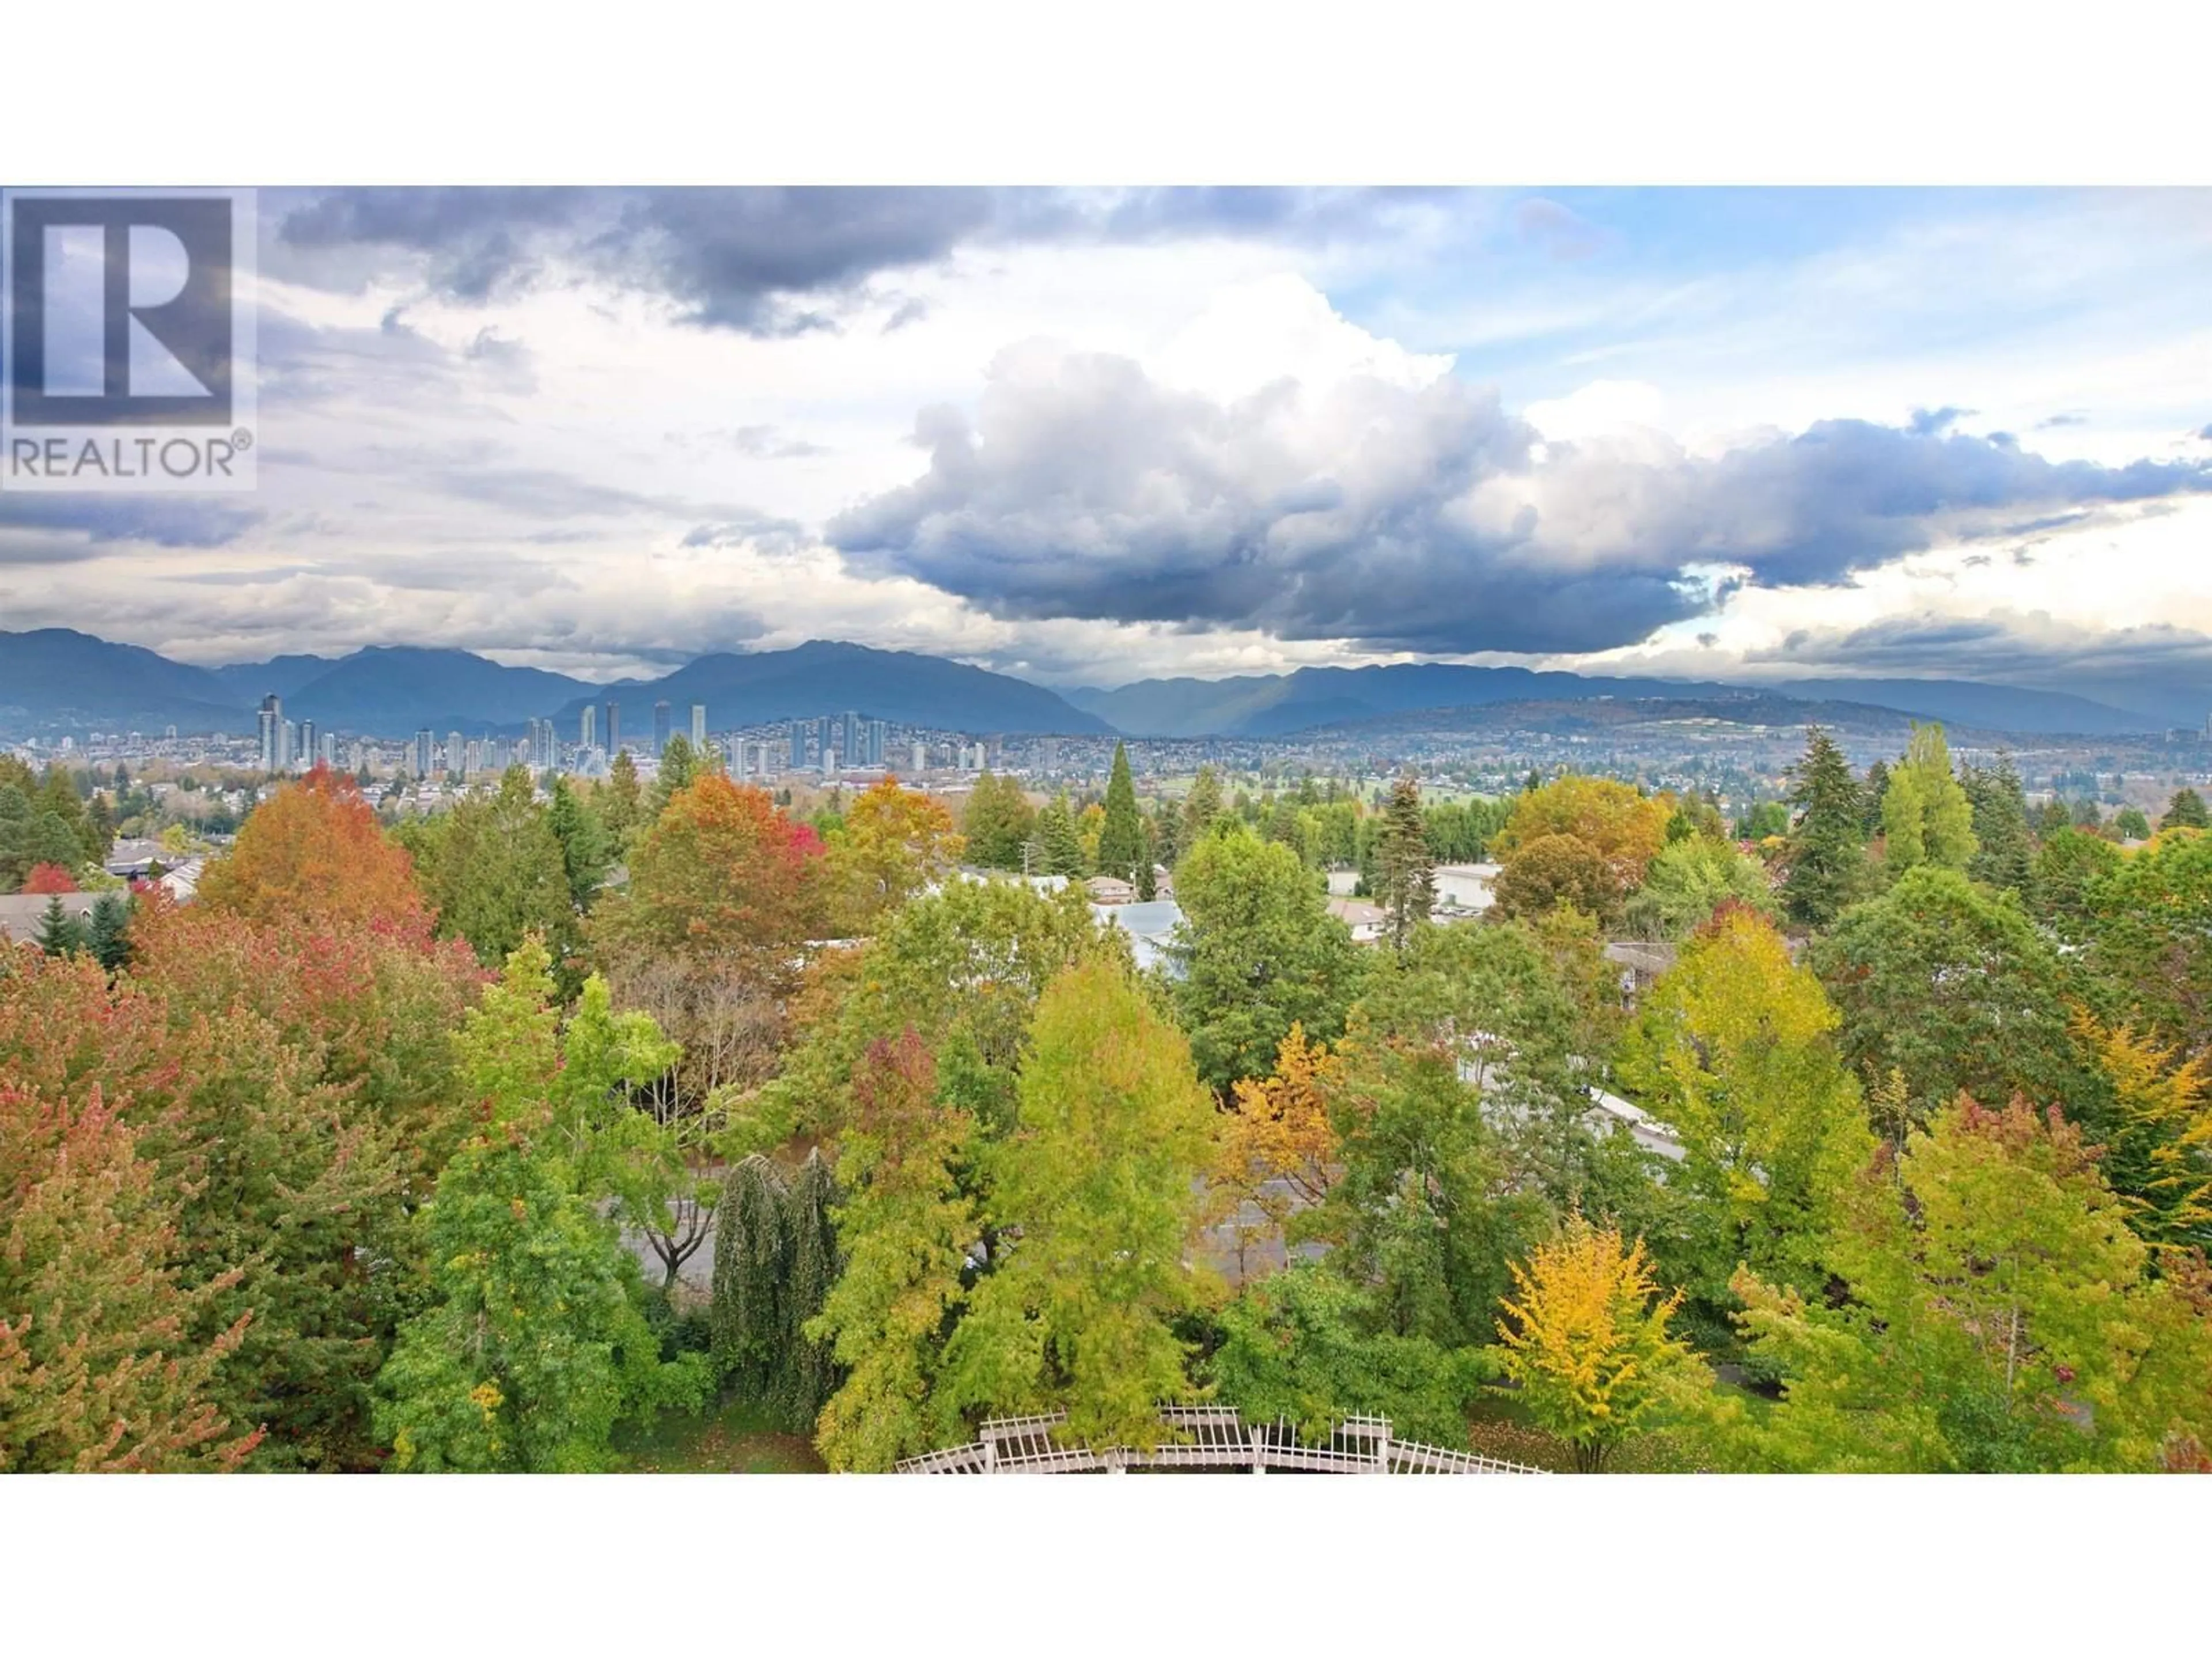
1121	838
59	932
1827	850
2003	857
1405	871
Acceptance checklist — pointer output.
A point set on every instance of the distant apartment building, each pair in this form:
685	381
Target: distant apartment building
880	732
614	727
456	755
425	752
588	728
660	727
798	746
272	733
699	726
919	756
307	744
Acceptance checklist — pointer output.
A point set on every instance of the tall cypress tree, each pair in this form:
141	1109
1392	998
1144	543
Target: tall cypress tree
1827	850
1122	837
808	1374
1405	871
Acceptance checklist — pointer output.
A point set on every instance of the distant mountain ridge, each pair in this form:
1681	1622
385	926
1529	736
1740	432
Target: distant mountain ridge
826	677
1277	705
58	678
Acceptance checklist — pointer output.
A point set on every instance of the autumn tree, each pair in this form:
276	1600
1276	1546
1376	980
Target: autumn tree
2159	1150
1623	827
108	1360
1926	817
1585	1336
314	851
1258	952
1101	1179
708	937
1406	873
905	1229
1735	1049
1554	871
893	842
1278	1145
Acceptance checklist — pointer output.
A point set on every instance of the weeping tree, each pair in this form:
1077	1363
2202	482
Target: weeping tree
775	1258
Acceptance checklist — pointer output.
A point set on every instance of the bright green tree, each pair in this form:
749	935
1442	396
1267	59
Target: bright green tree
536	1345
1735	1049
1688	881
2000	1317
1306	1345
1926	817
1258	951
1100	1178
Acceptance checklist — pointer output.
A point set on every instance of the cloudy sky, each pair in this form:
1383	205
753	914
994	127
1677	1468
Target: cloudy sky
1091	437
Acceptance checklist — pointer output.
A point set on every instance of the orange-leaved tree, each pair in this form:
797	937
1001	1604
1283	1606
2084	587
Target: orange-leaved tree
710	937
314	851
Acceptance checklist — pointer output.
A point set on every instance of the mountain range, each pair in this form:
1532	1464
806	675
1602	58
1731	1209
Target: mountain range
59	679
1275	705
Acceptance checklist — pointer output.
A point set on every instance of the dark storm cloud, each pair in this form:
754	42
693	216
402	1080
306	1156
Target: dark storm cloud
43	528
1414	520
758	259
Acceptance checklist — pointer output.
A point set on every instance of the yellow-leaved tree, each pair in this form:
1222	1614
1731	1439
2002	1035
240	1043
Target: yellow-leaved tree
2160	1155
1279	1151
1586	1339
